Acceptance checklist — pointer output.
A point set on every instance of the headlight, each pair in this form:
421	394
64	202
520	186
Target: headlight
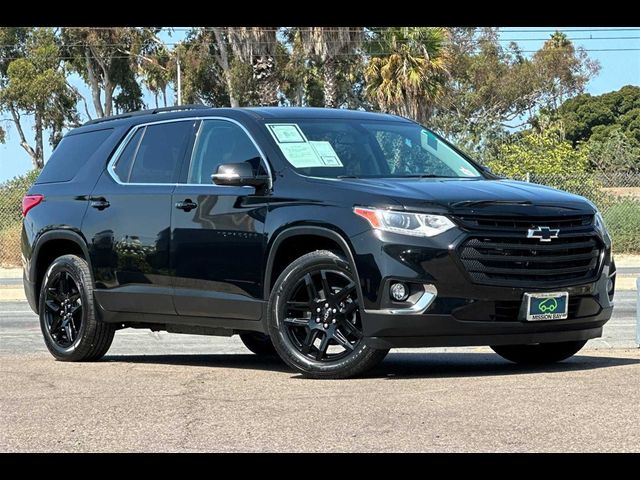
416	224
599	224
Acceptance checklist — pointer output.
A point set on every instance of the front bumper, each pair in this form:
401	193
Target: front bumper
464	313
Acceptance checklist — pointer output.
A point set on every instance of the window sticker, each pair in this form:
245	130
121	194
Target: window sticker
429	141
286	133
327	154
300	152
301	155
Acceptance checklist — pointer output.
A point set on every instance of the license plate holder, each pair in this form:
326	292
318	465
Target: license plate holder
546	306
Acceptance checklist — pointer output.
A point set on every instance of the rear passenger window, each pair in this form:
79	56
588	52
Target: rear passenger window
154	153
125	161
71	154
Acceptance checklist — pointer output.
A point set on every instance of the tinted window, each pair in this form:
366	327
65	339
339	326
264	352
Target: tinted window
71	154
336	148
156	159
125	161
220	142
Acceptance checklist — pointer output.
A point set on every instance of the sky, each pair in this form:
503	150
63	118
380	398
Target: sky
617	50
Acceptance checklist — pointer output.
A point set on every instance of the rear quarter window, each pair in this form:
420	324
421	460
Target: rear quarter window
71	154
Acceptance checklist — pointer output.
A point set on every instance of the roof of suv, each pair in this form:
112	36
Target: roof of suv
169	113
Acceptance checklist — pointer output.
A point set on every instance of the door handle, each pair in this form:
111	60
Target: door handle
186	205
99	203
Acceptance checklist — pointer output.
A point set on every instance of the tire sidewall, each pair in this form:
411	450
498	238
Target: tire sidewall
281	291
67	264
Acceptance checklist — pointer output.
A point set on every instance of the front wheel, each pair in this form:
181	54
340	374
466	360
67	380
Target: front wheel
539	354
314	318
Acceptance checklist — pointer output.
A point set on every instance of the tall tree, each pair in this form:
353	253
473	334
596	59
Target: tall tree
327	45
155	70
406	72
34	84
258	46
108	58
493	89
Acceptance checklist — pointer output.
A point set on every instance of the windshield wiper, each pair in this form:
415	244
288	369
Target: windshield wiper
347	176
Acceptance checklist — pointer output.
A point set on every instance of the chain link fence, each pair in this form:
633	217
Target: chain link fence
617	195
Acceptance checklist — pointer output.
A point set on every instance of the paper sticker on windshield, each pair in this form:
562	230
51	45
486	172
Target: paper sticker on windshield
286	133
428	139
327	154
301	155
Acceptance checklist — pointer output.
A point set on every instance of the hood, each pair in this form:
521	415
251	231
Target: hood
475	196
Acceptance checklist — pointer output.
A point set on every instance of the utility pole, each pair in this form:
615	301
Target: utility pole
179	81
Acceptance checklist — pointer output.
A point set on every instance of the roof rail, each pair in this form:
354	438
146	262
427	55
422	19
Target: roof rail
147	112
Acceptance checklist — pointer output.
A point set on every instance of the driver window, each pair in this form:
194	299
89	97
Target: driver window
219	142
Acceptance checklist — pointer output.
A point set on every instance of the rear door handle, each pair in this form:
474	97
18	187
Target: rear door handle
186	205
99	203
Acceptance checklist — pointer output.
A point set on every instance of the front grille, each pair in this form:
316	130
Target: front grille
498	251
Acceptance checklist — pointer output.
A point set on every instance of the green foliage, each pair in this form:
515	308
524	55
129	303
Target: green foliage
614	153
586	116
406	72
35	84
492	87
543	153
11	193
623	222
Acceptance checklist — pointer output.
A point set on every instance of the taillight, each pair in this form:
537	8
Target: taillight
30	201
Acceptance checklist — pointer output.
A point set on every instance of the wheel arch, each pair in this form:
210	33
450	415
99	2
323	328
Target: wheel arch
51	245
324	234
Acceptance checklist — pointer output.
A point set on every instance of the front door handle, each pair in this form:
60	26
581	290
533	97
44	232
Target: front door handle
100	203
186	205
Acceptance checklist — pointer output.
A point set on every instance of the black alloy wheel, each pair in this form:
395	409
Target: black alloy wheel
69	320
315	319
63	309
322	315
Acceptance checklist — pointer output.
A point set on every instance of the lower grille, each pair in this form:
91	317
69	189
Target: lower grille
509	311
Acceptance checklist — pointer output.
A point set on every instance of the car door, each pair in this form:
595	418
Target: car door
128	224
217	241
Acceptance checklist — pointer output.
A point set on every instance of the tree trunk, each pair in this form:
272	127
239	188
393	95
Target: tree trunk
38	159
164	96
223	61
267	83
23	139
109	87
93	83
329	70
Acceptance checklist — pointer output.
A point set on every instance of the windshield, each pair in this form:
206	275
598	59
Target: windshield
369	149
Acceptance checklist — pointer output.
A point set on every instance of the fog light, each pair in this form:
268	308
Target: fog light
610	285
399	292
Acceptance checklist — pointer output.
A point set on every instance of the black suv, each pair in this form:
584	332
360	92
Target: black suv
325	236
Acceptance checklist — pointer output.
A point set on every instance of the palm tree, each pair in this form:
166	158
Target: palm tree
406	72
257	46
327	44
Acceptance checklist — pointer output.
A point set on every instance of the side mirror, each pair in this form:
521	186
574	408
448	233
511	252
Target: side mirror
238	175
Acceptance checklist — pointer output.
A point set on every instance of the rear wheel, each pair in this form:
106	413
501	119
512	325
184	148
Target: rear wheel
258	343
314	318
70	327
539	354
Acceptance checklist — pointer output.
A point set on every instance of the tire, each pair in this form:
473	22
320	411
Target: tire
81	336
258	343
539	354
302	338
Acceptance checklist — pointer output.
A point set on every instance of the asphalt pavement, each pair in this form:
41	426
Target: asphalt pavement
158	392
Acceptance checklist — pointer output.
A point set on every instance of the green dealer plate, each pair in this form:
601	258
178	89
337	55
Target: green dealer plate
546	306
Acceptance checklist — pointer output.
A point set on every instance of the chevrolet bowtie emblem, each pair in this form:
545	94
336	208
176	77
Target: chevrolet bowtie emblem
544	234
